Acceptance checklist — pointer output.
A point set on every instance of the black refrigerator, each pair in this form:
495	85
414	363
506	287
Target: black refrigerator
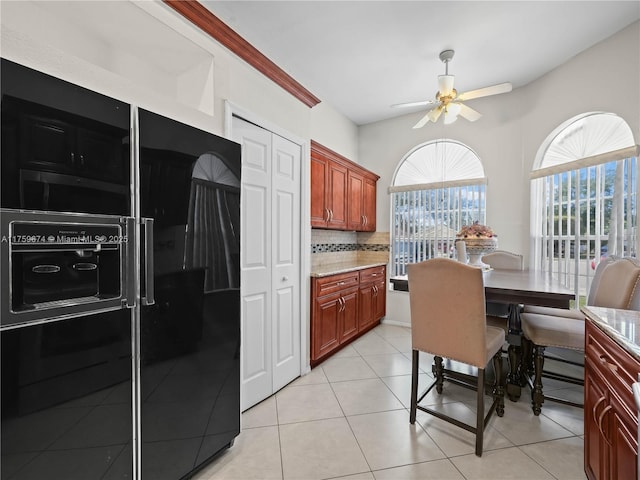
120	326
190	336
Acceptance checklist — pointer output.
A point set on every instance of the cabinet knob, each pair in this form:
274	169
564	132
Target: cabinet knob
285	278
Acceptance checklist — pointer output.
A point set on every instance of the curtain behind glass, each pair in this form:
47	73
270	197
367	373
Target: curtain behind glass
213	233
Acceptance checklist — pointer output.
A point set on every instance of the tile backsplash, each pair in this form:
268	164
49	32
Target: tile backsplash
334	246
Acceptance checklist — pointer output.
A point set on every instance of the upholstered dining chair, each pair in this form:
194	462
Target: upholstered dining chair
498	313
448	320
614	285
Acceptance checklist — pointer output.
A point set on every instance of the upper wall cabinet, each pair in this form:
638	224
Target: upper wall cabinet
343	194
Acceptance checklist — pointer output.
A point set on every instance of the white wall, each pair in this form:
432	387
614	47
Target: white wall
606	77
136	52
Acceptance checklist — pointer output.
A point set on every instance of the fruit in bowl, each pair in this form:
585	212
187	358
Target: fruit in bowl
479	240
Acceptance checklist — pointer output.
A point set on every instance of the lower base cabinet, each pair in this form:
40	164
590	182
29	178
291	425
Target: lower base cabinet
345	306
610	414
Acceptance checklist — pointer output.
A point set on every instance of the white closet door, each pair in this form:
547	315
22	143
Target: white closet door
270	272
286	261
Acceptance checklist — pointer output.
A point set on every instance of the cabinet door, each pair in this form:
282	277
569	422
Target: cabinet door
380	300
595	445
355	200
100	155
369	204
47	144
366	306
319	186
337	200
624	445
324	327
349	314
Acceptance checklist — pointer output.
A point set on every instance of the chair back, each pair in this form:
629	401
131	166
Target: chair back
448	310
596	277
617	284
503	260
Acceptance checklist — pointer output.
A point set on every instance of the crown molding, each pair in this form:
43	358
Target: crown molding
204	19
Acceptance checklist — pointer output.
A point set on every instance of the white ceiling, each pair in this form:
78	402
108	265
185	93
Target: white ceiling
363	56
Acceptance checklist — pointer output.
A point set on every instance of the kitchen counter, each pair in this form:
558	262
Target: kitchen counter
342	267
623	326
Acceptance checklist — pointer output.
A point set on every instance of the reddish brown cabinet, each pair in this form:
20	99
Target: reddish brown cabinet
610	418
334	316
362	202
373	298
344	306
343	194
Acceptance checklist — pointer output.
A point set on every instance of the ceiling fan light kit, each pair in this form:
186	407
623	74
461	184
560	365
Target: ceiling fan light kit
449	103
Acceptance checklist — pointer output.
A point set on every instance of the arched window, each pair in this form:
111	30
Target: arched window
584	197
437	187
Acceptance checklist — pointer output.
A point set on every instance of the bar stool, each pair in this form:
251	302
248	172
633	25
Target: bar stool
613	288
448	320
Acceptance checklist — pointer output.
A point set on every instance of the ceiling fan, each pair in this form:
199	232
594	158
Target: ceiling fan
449	101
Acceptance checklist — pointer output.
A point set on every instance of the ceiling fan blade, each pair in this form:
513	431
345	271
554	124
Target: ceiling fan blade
413	104
469	113
423	121
485	92
432	115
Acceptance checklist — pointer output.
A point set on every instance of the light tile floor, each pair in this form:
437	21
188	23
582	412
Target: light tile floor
348	419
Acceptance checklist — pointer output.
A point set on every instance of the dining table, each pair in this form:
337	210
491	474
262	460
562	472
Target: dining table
515	288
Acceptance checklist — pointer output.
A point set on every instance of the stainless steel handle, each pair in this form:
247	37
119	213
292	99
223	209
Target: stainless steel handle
84	266
600	418
604	360
46	269
73	158
595	408
636	394
149	298
328	214
129	248
366	220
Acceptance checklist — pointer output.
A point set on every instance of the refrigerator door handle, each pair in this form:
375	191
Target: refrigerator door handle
130	277
148	298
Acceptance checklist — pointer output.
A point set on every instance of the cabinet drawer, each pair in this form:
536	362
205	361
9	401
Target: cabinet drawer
373	274
614	364
335	283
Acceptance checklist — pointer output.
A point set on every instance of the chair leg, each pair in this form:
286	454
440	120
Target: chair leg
414	386
438	373
498	386
537	397
527	361
480	412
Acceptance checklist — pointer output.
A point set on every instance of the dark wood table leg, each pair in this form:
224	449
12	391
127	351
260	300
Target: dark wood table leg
514	378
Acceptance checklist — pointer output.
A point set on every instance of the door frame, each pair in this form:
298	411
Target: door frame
230	110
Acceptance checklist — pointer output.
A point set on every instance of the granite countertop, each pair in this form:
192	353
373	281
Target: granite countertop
623	326
342	267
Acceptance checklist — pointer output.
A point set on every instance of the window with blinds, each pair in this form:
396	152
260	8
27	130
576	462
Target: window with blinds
438	187
585	199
